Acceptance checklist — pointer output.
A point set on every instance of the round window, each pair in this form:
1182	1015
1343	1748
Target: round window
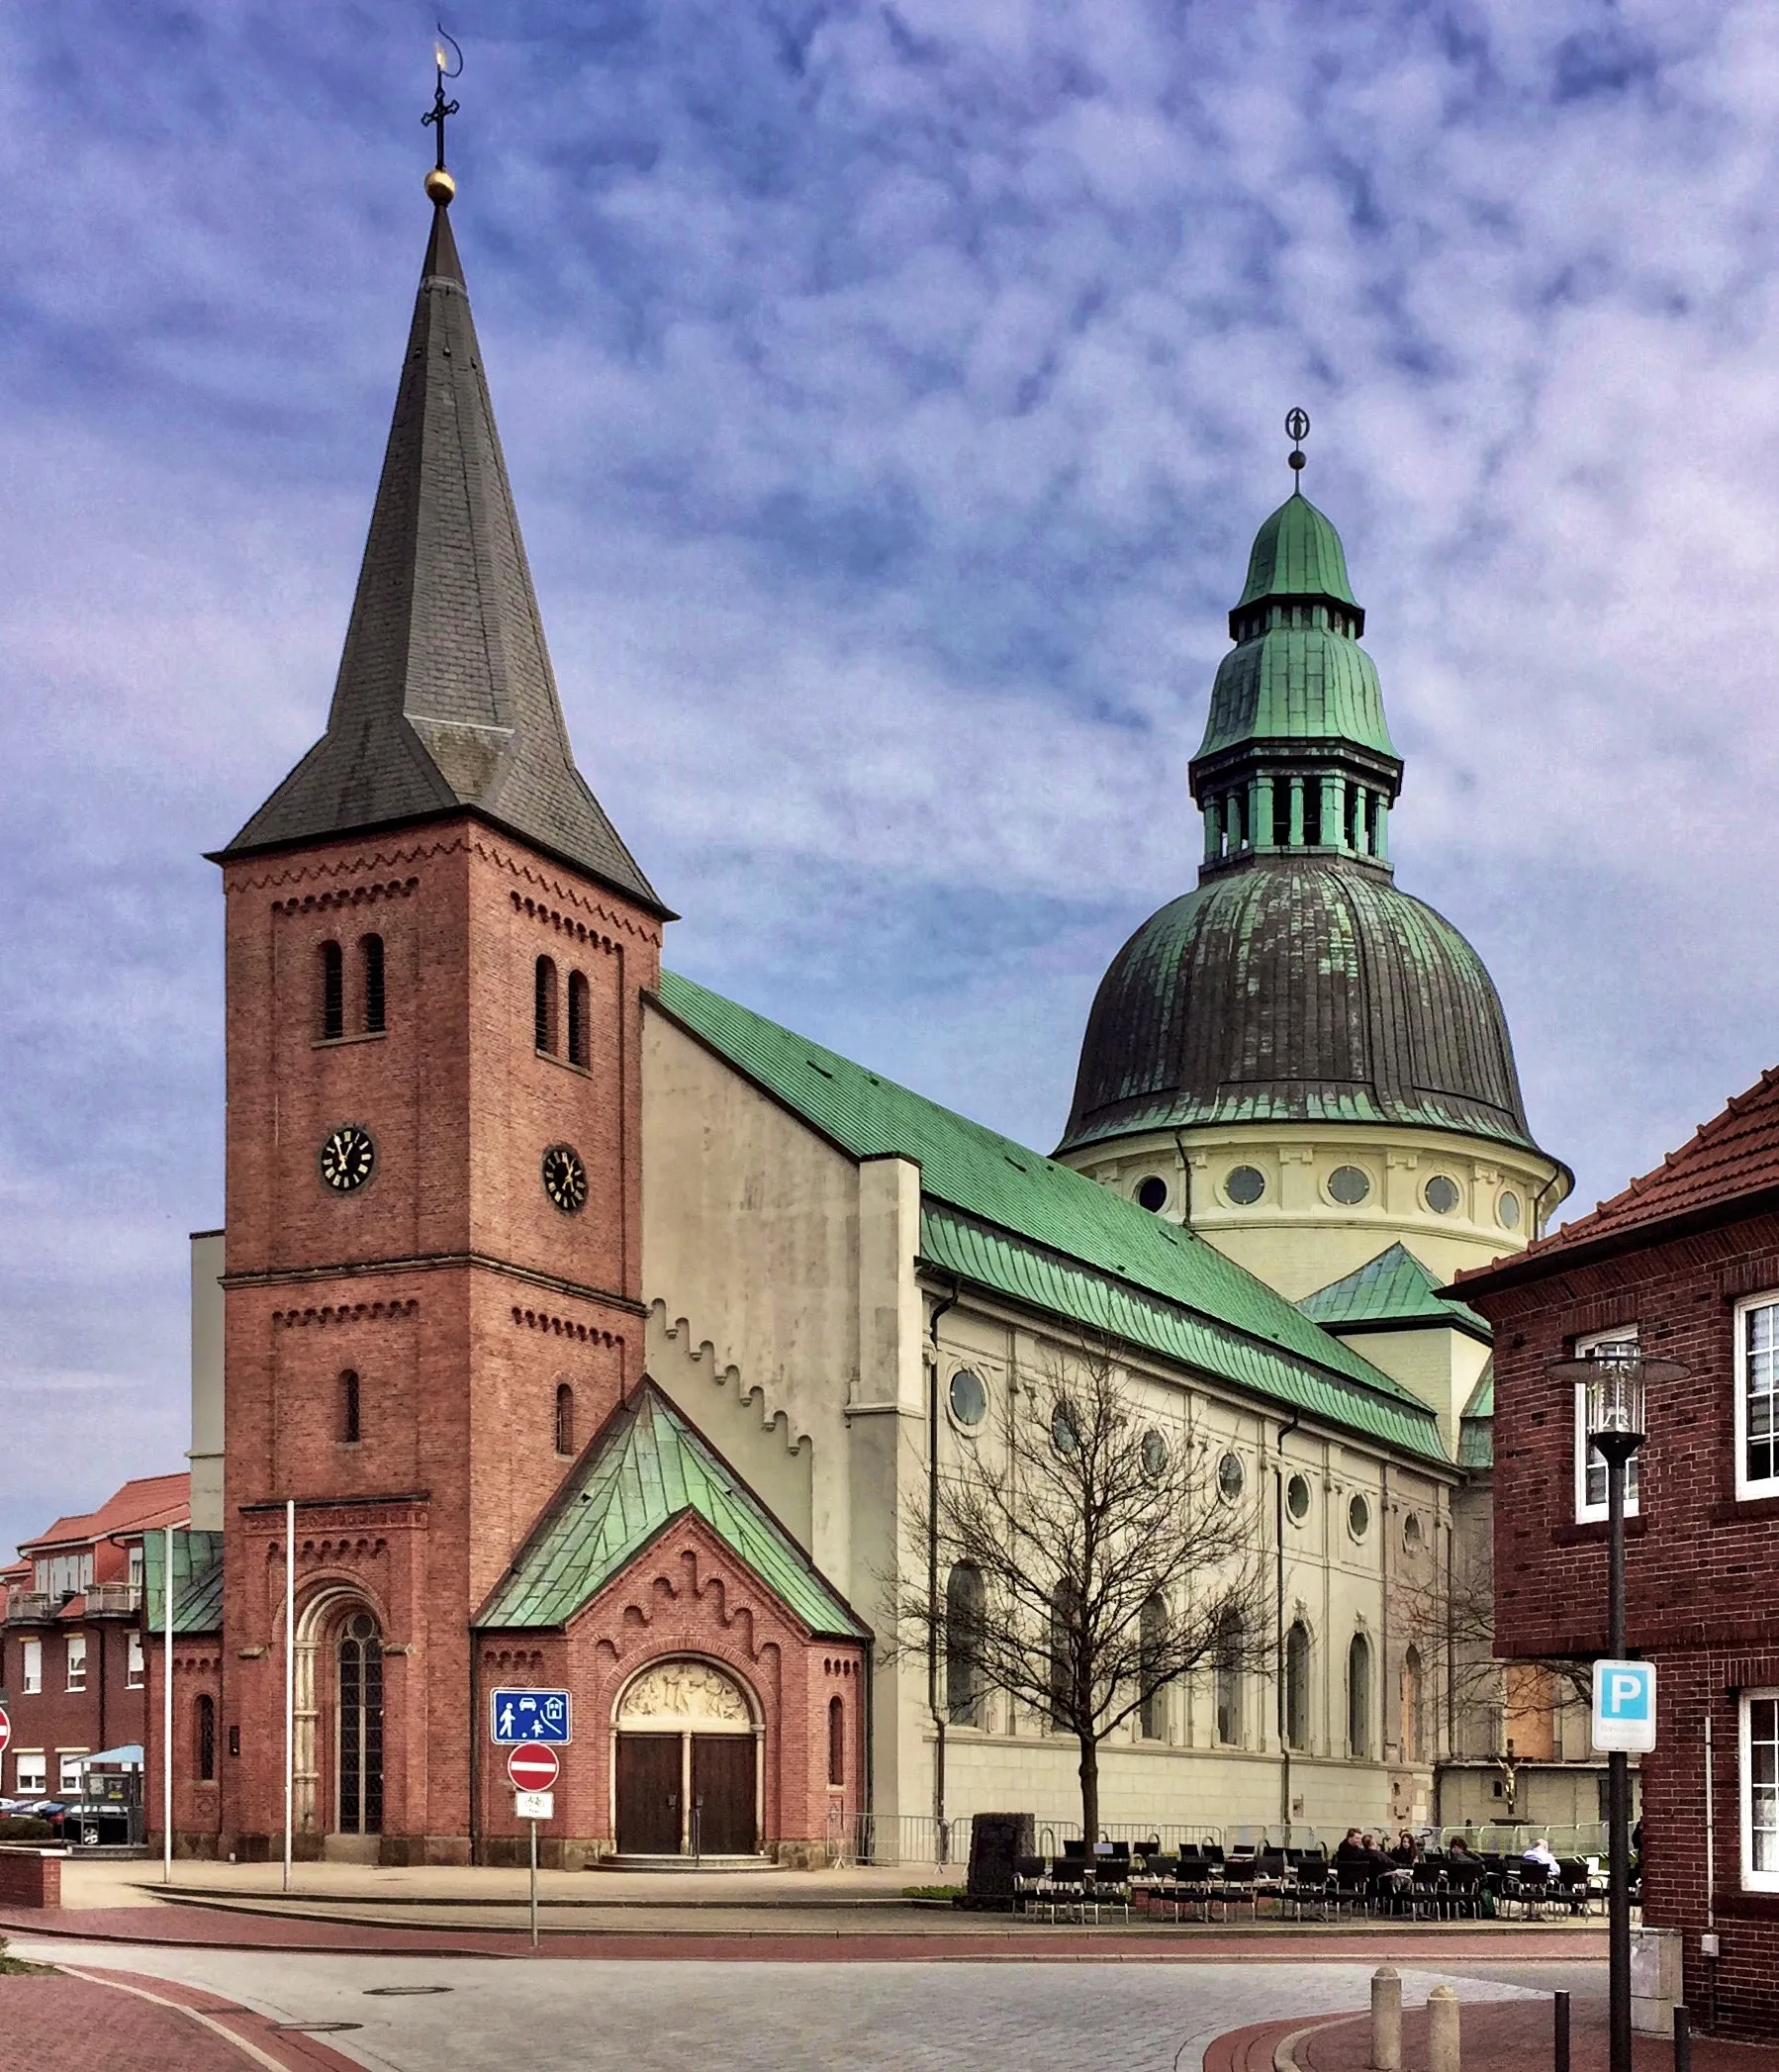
1506	1209
1065	1434
1359	1517
1442	1195
1231	1474
1245	1185
1349	1185
969	1398
1297	1498
1411	1531
1154	1455
1151	1194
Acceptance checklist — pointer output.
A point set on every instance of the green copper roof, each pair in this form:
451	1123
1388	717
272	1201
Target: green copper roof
648	1467
1011	1219
1476	1426
197	1581
1393	1291
1298	684
1297	553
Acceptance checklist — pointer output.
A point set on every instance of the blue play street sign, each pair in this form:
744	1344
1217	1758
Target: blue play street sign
1624	1707
529	1716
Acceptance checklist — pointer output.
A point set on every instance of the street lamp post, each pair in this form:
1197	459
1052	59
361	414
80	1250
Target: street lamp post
1615	1382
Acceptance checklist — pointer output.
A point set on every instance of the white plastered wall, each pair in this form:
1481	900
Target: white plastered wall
205	1450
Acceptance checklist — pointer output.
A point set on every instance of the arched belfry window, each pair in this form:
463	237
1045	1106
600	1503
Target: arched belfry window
370	951
544	1010
348	1408
963	1617
565	1418
578	1002
334	990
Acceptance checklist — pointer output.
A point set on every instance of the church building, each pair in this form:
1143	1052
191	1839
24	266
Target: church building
605	1334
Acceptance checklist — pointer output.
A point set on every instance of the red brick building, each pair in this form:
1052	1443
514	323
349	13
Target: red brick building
437	949
1685	1263
71	1657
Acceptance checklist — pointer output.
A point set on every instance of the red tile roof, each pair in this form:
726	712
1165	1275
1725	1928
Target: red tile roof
139	1506
1732	1155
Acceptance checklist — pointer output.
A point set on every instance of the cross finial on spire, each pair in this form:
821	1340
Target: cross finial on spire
439	184
1297	424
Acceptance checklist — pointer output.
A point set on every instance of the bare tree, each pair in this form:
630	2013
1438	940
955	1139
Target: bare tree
1090	1562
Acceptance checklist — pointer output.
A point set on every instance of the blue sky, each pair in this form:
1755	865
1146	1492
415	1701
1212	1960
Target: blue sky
890	393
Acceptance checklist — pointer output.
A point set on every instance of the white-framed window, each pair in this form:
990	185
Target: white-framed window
1590	1461
31	1774
72	1782
31	1666
1757	1396
132	1666
136	1564
1760	1791
77	1661
62	1576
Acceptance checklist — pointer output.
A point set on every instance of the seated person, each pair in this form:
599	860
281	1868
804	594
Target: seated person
1407	1850
1540	1852
1459	1851
1351	1849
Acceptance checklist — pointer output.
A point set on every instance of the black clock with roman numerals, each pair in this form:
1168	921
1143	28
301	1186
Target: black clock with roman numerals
565	1177
347	1158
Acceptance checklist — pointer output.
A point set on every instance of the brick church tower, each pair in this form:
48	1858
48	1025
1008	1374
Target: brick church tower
437	949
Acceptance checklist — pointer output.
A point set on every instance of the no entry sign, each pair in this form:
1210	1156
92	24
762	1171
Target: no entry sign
533	1767
5	1729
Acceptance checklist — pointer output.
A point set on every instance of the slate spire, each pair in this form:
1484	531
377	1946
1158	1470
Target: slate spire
446	699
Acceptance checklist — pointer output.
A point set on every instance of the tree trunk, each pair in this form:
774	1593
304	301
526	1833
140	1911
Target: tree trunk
1089	1767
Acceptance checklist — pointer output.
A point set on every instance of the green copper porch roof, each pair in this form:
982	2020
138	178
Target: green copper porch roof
648	1467
1008	1218
1297	553
1476	1426
197	1581
1393	1291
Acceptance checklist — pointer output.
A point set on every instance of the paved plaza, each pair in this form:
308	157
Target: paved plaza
556	2015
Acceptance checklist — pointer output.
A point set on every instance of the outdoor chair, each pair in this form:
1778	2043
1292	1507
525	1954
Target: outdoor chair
1465	1878
1068	1888
1309	1886
1355	1887
1429	1892
1190	1886
1031	1884
1528	1886
1108	1885
1573	1884
1235	1886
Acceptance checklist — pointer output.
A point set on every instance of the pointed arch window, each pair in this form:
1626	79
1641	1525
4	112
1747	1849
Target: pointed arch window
565	1418
544	1005
578	1002
370	952
204	1739
334	991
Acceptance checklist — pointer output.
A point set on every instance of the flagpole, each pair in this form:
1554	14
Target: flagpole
290	1671
166	1718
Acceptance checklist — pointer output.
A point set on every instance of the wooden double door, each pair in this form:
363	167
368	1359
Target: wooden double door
674	1800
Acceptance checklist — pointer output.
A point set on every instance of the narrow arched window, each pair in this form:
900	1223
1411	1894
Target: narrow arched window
334	990
544	1011
1152	1643
565	1418
370	949
348	1407
204	1737
1227	1678
1358	1696
1063	1622
1297	1686
962	1644
577	1018
836	1741
1411	1705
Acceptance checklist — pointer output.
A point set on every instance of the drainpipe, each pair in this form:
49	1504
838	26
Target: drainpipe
1451	1640
1279	1541
932	1565
475	1746
1384	1626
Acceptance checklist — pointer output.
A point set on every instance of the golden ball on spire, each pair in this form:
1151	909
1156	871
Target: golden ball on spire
440	186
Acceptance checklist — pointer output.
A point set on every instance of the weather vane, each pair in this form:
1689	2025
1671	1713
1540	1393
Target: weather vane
439	184
1297	424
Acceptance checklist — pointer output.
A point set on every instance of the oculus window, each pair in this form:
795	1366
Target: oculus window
1349	1185
1245	1185
1507	1210
1297	1498
1231	1476
1442	1195
968	1397
1359	1516
1151	1194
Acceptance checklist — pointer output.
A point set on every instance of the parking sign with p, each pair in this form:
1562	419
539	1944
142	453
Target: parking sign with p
1624	1707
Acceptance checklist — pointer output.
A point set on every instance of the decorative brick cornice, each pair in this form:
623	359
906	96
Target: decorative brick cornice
345	1313
563	1327
549	894
356	896
267	874
433	1262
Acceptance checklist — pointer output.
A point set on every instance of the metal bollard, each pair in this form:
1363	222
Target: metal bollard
1683	2039
1442	2031
1386	2019
1560	2054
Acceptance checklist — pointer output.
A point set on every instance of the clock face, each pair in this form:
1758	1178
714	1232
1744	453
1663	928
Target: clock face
565	1177
347	1158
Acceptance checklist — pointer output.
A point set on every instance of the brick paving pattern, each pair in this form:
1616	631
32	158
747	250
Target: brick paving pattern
1516	2036
48	2023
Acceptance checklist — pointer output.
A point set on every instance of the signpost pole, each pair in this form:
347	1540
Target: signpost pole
532	1824
1618	1782
166	1718
290	1674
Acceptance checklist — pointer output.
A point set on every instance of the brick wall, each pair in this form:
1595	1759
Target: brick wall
105	1714
1700	1564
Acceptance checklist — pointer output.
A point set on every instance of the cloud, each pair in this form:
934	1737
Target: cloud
890	393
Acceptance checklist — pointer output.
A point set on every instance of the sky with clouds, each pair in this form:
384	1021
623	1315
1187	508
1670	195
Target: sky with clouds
890	393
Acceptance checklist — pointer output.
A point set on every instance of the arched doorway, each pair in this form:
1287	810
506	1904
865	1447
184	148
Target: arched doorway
687	1763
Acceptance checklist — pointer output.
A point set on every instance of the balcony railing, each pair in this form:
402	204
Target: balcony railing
44	1607
114	1597
31	1607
